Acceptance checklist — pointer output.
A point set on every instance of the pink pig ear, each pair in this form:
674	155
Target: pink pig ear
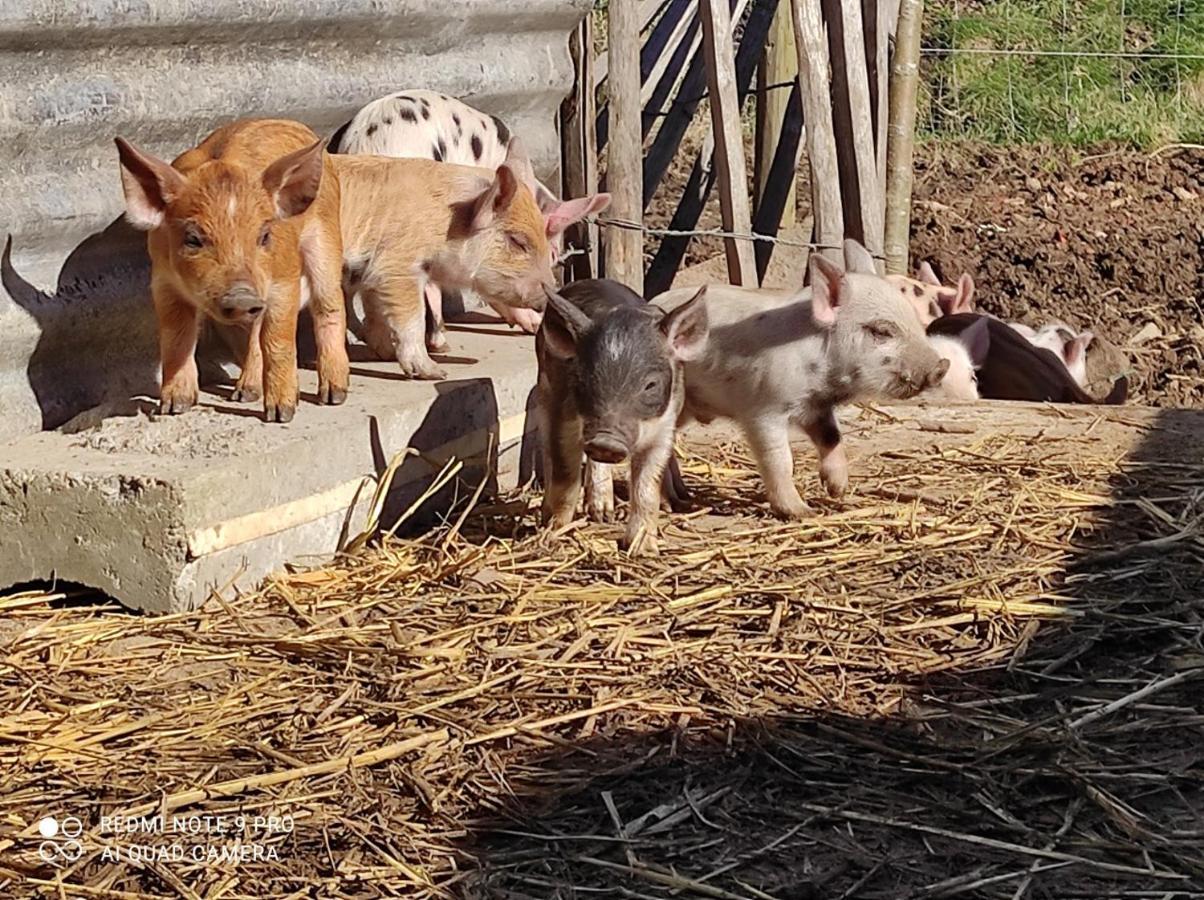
926	275
965	294
293	181
959	299
494	201
560	214
686	328
827	284
1075	349
520	164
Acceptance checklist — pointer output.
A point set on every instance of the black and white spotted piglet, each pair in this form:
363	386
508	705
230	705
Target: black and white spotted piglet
429	125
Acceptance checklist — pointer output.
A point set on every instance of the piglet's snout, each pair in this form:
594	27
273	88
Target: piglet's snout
241	300
604	447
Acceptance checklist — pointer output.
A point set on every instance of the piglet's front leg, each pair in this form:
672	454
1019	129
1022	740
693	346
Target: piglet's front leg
833	464
769	438
599	491
563	450
647	471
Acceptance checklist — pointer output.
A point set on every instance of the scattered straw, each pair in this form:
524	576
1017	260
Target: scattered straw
979	675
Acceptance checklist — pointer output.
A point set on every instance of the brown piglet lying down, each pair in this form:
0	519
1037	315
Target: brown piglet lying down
1016	370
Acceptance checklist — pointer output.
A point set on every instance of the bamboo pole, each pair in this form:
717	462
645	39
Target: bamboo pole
905	76
624	152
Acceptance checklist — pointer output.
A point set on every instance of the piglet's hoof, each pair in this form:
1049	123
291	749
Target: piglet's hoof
246	393
437	343
640	543
421	369
175	406
835	484
172	403
600	511
791	510
329	395
279	412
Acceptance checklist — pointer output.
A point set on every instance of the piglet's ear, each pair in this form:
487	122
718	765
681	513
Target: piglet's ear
149	185
519	163
563	325
977	340
857	259
959	299
1076	348
560	214
828	285
926	275
493	203
293	180
965	293
686	328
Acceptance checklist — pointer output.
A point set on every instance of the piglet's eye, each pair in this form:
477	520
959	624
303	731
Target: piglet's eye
880	331
651	386
519	241
265	236
193	239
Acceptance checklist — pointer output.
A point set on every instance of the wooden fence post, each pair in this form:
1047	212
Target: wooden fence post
579	148
812	46
865	159
779	65
905	76
729	139
624	152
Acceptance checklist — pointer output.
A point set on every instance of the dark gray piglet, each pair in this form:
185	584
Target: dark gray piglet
611	388
1016	370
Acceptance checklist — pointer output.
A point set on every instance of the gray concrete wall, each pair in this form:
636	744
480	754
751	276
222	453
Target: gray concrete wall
76	326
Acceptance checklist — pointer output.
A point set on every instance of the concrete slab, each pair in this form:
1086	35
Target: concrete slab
158	512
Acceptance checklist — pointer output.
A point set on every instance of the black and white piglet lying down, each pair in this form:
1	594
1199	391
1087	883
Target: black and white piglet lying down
1014	369
611	388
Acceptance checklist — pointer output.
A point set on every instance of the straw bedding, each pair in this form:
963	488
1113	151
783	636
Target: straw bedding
979	675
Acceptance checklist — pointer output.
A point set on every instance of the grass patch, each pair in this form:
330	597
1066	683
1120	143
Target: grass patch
977	92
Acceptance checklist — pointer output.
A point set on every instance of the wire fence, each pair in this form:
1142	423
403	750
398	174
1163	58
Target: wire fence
1065	71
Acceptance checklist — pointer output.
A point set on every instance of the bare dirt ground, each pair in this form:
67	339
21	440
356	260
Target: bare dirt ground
1112	241
977	675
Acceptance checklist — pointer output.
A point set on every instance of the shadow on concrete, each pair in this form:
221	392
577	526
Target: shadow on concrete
461	423
66	372
1037	776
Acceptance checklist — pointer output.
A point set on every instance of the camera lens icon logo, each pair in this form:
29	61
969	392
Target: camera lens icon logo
61	846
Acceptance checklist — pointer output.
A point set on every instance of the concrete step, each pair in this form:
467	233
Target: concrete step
157	512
